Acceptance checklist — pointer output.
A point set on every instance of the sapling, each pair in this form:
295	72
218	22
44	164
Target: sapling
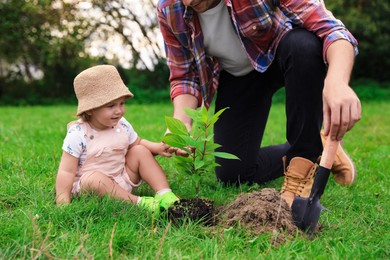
198	143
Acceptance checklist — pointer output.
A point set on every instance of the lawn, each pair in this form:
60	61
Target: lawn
32	226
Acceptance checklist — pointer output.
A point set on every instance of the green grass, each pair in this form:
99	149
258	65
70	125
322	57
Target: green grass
31	226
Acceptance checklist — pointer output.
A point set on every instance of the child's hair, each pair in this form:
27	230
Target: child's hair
85	117
97	86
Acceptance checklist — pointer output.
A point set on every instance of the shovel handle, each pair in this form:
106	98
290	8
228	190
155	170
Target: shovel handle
329	153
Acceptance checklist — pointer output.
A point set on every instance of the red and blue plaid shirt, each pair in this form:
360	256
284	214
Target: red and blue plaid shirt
260	27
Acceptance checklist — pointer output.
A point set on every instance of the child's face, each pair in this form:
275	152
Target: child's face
108	115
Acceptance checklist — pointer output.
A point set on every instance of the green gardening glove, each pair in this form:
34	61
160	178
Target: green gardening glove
150	204
166	200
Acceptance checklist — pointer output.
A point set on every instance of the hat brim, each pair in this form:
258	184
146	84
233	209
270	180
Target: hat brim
87	106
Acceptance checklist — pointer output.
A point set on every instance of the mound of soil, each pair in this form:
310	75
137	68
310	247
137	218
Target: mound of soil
260	212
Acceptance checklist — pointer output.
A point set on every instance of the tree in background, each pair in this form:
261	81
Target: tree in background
369	21
45	43
41	47
133	25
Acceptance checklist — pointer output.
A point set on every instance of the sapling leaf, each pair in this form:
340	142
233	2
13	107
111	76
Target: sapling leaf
204	115
225	155
175	141
201	157
189	141
215	117
215	146
208	138
199	145
183	162
199	164
185	167
198	129
183	159
176	126
192	113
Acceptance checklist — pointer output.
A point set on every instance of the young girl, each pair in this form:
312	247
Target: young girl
102	153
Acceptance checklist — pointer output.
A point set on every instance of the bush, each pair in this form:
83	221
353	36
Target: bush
369	22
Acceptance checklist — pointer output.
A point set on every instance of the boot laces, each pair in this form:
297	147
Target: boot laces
294	184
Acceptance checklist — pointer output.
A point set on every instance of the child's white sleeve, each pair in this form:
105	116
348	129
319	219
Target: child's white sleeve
129	130
74	142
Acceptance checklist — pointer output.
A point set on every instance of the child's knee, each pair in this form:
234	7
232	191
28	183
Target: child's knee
93	180
138	153
138	150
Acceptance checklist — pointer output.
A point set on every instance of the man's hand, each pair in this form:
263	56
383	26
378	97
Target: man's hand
179	104
342	109
341	106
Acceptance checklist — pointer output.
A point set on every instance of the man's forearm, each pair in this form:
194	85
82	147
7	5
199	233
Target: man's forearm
341	106
180	103
340	57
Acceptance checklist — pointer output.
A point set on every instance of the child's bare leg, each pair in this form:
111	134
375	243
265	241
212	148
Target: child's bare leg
141	164
104	185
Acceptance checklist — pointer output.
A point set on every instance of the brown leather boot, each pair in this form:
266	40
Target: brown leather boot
343	169
298	179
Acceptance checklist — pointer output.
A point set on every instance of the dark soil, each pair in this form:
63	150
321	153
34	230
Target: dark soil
259	212
196	209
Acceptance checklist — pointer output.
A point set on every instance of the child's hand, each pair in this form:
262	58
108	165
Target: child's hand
158	148
166	200
62	200
150	204
181	152
169	150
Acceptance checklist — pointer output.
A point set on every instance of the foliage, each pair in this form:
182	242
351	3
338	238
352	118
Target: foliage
370	90
44	44
368	20
366	89
198	143
41	48
133	24
149	80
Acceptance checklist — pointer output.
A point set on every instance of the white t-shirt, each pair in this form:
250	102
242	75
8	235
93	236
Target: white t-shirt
222	42
75	139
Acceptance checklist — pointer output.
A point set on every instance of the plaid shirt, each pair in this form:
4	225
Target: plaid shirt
260	27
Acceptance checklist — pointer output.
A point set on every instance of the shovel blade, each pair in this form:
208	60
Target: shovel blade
311	219
299	208
306	213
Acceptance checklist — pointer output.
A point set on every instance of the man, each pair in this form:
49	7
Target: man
244	51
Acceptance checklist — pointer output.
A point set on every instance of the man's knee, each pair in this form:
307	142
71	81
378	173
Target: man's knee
231	172
303	43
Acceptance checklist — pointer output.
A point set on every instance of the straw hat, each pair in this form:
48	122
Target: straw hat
97	86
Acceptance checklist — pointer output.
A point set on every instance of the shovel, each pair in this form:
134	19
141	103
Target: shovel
306	211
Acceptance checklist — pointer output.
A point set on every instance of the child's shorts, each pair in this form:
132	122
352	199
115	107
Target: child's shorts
122	180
